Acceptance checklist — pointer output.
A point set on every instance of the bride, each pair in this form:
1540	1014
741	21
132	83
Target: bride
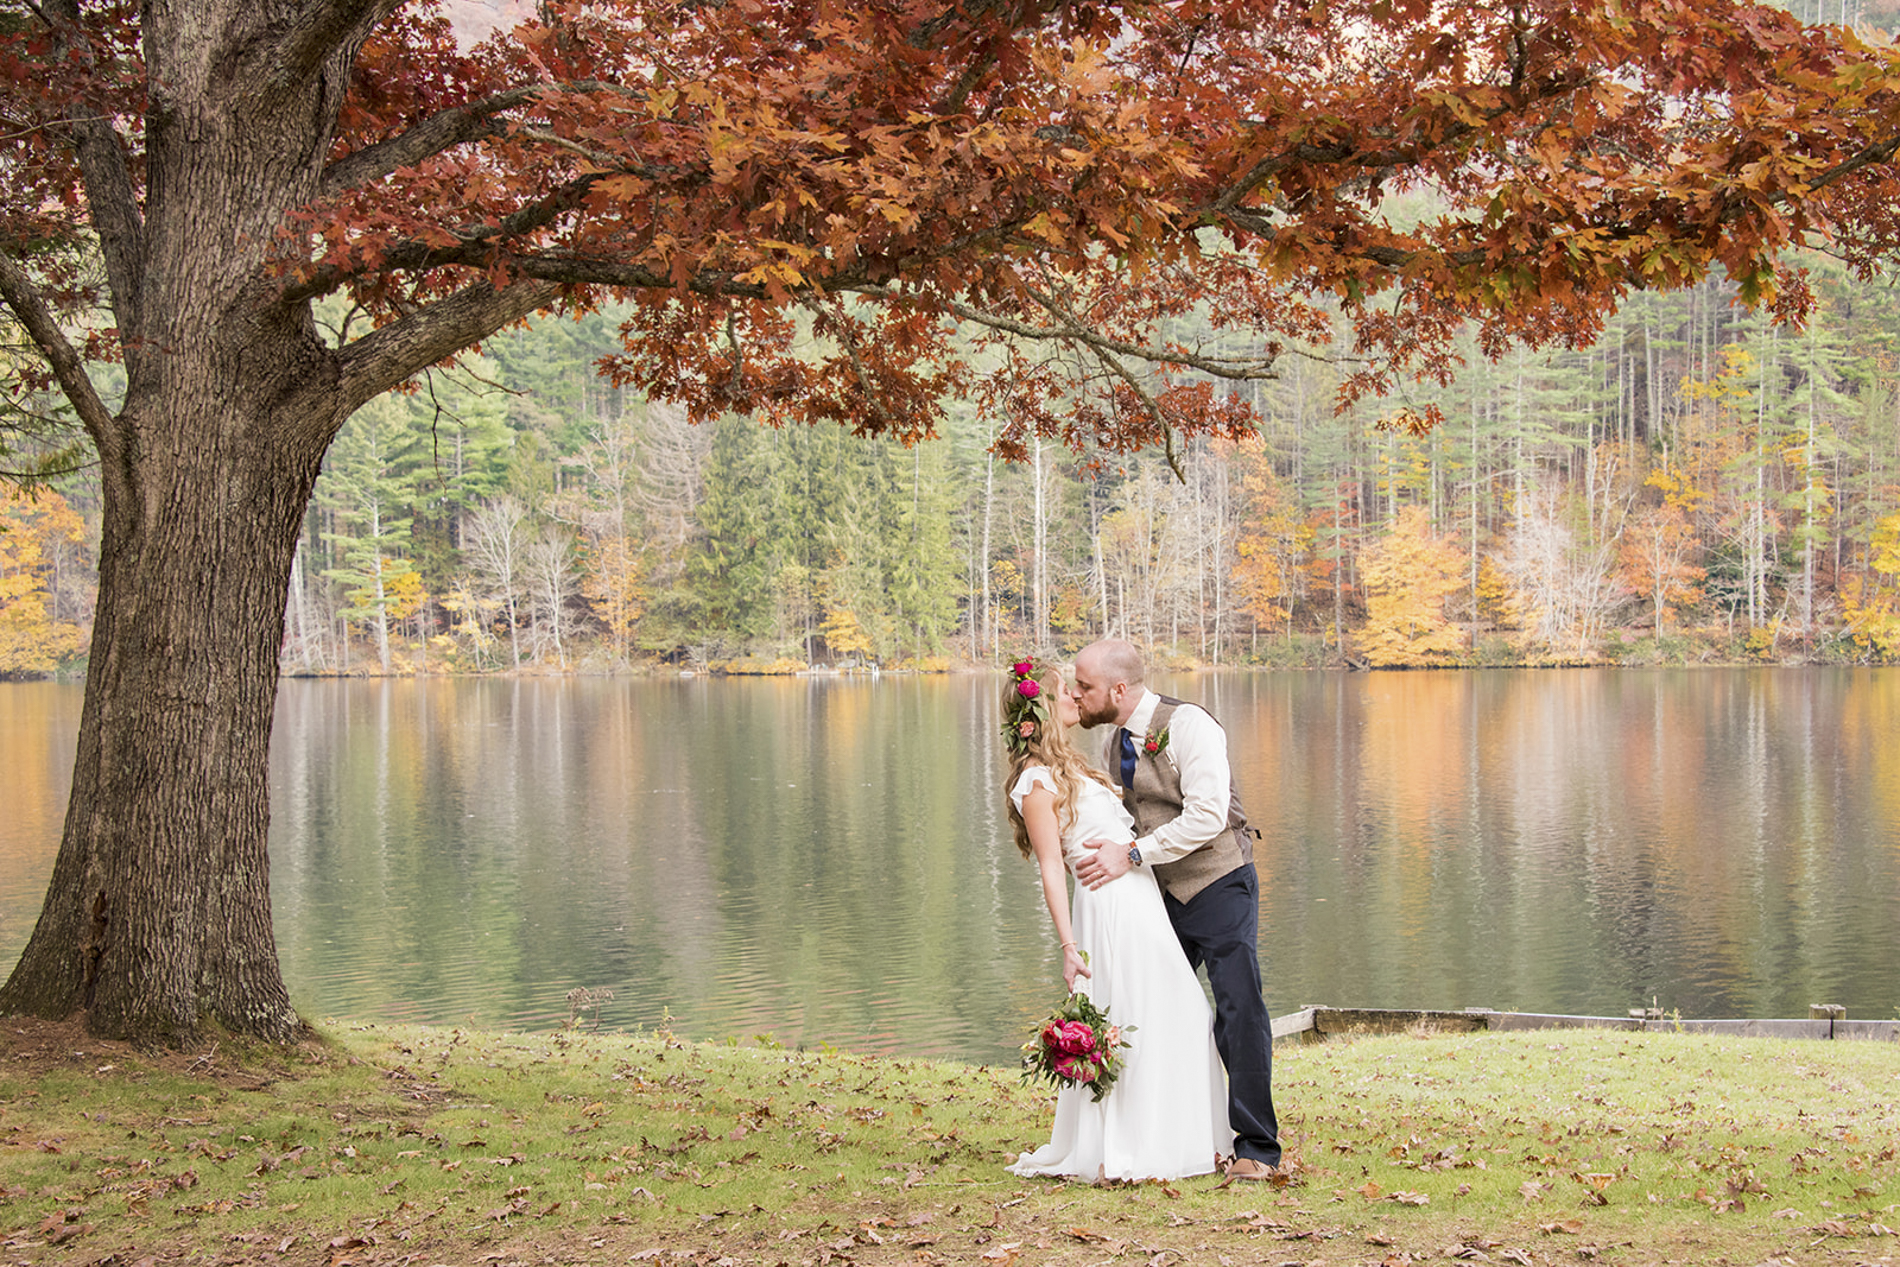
1166	1115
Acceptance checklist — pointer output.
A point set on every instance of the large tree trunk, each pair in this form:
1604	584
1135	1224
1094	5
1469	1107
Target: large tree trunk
157	918
158	914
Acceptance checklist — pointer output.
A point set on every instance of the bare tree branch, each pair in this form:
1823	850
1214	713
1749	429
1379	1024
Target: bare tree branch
111	198
1073	330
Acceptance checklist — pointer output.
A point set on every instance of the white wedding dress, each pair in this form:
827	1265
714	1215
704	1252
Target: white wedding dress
1166	1115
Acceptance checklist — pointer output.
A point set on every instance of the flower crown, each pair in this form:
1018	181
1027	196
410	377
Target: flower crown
1027	710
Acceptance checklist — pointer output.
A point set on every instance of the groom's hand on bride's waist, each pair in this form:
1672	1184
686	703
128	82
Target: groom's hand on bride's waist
1105	861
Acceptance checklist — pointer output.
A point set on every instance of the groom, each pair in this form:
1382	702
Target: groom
1170	758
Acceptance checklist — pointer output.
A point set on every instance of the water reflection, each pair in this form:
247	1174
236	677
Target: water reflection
813	859
825	860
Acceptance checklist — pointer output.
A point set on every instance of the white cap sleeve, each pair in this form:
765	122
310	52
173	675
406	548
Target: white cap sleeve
1035	776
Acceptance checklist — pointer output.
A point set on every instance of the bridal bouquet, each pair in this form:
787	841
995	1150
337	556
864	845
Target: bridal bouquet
1076	1046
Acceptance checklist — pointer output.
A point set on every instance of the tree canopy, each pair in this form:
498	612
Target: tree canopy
802	201
1061	175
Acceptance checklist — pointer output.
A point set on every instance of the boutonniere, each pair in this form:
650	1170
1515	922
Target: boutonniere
1153	744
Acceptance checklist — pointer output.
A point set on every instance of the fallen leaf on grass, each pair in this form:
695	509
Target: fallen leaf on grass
1569	1227
1411	1198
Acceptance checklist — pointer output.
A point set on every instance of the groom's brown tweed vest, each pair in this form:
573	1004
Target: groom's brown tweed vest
1156	798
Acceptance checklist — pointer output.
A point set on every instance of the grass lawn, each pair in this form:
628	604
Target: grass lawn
402	1145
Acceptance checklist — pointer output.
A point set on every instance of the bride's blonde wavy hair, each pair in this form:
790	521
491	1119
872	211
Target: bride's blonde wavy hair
1040	740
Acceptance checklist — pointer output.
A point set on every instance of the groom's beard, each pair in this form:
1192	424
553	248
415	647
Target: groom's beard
1097	718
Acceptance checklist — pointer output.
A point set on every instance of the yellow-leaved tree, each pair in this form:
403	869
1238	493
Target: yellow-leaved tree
615	587
1408	574
1871	602
1271	545
33	641
1656	555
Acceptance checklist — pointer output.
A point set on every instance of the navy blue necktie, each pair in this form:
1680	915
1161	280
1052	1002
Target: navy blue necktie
1128	759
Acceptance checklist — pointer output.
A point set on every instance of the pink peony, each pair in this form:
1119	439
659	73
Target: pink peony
1023	668
1074	1037
1028	688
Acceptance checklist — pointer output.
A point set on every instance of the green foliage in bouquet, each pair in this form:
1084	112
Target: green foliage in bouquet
1076	1046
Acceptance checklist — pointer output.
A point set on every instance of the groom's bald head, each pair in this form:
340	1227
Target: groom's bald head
1113	660
1108	678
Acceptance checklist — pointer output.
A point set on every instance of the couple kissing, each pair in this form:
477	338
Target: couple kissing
1162	858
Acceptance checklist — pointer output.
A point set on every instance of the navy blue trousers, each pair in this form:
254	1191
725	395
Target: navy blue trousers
1218	929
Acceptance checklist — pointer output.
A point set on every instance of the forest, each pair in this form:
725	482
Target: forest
1700	484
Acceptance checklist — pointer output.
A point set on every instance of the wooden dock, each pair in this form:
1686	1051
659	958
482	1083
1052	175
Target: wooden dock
1316	1023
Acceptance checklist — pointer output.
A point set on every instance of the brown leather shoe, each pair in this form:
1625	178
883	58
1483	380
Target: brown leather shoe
1249	1170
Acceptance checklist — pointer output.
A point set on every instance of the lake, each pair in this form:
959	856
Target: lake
825	860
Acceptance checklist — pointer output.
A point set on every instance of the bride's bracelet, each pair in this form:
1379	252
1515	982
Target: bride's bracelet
1067	944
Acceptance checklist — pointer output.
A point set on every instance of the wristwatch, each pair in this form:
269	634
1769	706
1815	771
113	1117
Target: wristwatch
1134	856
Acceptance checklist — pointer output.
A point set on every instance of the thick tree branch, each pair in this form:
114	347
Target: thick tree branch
435	134
321	29
1615	228
69	368
1872	156
473	249
387	357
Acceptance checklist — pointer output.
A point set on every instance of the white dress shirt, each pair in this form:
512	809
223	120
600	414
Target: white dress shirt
1197	747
